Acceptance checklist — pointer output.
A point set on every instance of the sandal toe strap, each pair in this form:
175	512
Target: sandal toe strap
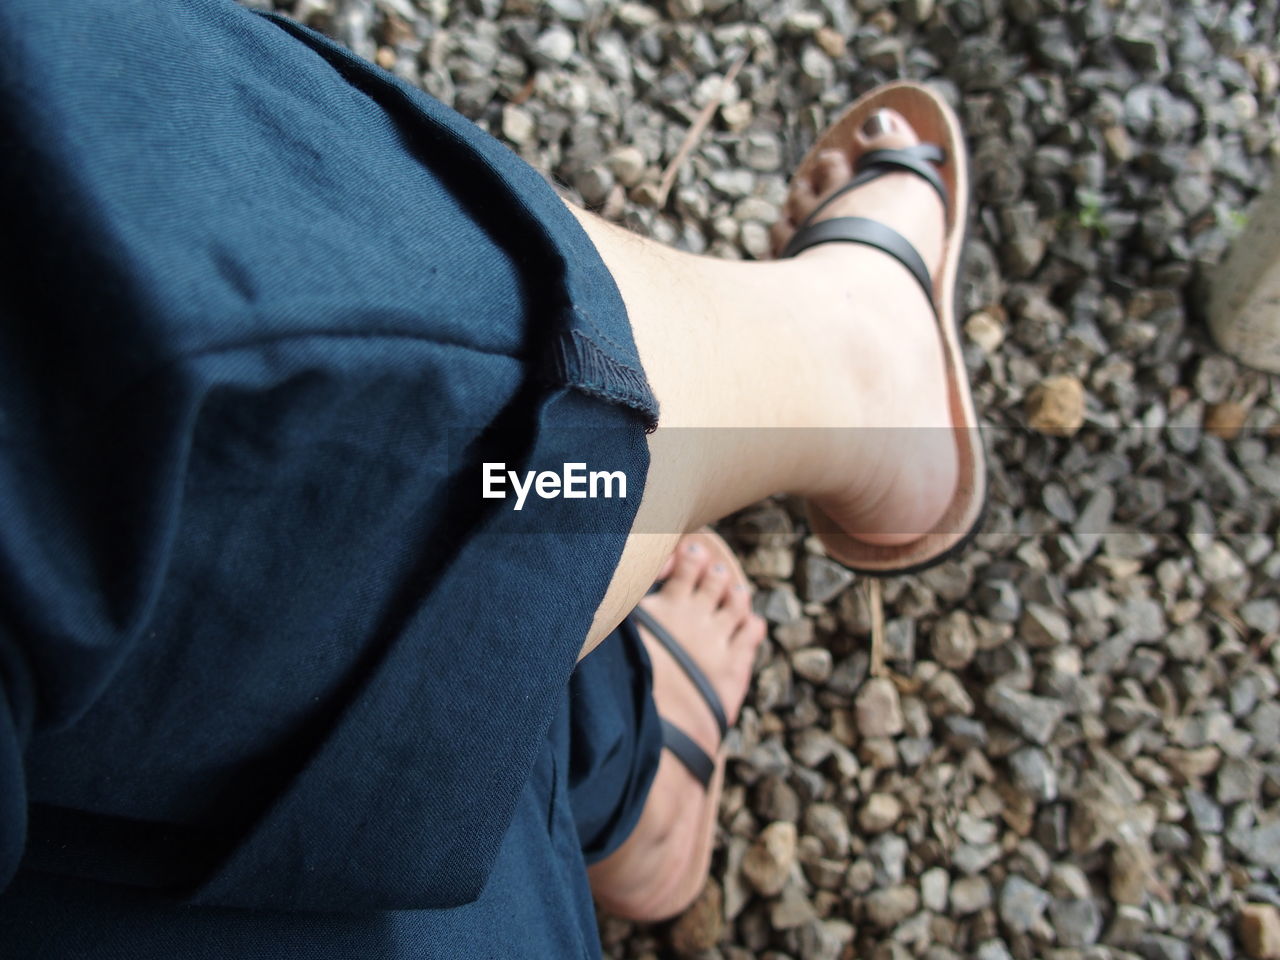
691	669
693	757
919	159
872	233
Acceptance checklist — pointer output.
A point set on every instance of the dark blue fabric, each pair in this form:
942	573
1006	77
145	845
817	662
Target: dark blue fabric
585	792
535	904
615	741
263	312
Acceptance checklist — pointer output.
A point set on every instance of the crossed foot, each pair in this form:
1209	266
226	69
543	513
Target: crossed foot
704	601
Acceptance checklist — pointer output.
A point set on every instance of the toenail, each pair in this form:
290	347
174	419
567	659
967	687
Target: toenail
693	548
719	568
878	124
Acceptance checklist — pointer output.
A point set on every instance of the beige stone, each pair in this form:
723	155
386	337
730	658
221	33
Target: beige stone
737	115
984	330
627	163
768	860
1244	291
1119	146
879	813
699	928
517	125
831	42
1260	931
1192	764
1056	406
1131	869
878	709
1225	419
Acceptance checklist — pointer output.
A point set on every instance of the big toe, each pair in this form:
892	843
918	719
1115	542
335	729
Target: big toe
687	565
886	130
901	200
832	168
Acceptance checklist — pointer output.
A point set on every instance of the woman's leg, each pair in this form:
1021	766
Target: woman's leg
820	375
825	372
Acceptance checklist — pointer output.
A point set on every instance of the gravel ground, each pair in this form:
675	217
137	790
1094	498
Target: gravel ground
1074	749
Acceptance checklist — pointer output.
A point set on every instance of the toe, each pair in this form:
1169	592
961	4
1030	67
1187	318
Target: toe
713	583
885	130
800	200
691	560
668	565
738	602
830	170
750	632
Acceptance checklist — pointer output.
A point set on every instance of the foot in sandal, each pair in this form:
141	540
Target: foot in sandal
877	186
702	638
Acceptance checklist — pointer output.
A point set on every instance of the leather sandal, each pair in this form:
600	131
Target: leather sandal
692	756
939	159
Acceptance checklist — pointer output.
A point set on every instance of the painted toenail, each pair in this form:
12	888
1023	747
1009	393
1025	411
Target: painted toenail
693	548
719	568
878	124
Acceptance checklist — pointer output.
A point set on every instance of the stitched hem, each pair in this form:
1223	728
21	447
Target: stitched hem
579	361
582	364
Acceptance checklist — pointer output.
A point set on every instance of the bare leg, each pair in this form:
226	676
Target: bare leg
790	352
808	360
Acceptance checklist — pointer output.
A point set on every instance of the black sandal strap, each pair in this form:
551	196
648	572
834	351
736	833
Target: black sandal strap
873	164
920	160
689	753
681	657
869	232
